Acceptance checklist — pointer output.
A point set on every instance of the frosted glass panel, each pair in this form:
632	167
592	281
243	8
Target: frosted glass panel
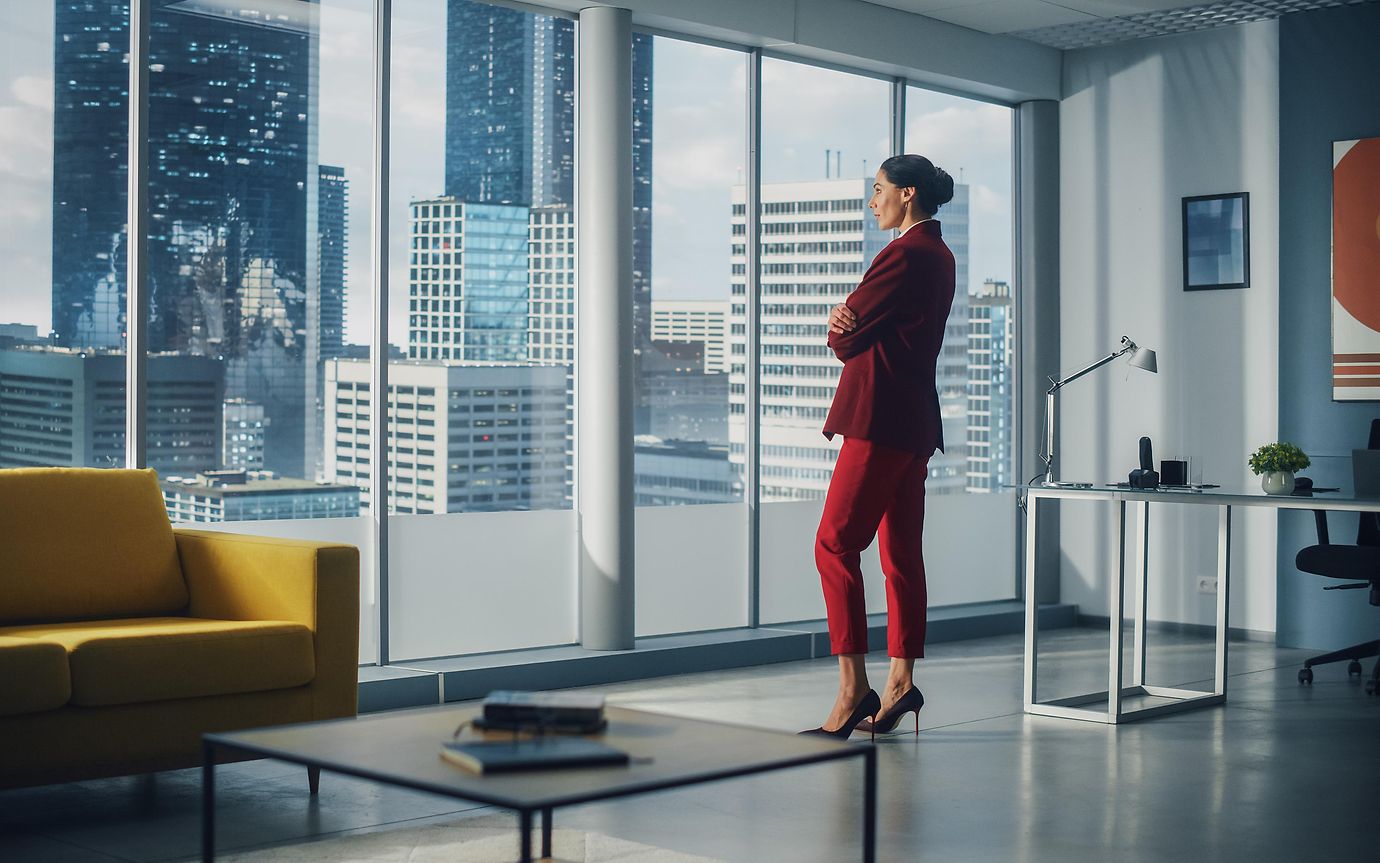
355	531
970	556
691	568
478	582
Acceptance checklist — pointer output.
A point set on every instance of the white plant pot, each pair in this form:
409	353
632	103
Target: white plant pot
1278	482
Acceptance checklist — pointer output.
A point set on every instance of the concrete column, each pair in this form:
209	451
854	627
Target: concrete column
604	344
1037	298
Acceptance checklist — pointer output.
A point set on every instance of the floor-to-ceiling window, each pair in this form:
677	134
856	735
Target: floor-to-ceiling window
972	141
481	329
687	487
824	134
62	248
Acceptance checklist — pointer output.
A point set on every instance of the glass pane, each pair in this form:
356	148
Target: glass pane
63	121
249	192
698	145
481	325
973	141
824	133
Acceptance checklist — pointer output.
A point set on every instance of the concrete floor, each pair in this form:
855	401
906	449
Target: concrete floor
1282	772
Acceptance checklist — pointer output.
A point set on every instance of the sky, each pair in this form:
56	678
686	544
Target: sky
699	115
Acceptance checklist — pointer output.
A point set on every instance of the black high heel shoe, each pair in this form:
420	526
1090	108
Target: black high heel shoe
870	705
912	701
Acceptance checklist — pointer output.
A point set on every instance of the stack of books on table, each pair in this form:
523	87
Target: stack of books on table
564	713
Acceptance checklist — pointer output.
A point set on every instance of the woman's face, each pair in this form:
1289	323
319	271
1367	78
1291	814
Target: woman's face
889	203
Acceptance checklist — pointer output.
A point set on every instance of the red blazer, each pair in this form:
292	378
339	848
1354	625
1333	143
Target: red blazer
887	393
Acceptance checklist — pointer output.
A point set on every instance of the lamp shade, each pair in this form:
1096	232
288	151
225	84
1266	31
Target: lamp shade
1144	358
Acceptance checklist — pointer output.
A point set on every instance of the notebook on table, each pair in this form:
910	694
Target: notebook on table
538	753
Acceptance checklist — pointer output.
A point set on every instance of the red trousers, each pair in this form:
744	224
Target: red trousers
875	491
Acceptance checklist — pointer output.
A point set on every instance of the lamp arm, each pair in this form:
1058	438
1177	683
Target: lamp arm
1083	371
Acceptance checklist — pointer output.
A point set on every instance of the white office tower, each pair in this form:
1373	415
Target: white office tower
243	429
702	322
818	238
991	357
467	282
816	243
463	437
551	285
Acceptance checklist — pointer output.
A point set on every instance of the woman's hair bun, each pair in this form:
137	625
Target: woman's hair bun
933	186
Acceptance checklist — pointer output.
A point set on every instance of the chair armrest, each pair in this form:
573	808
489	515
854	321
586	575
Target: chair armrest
238	577
1320	519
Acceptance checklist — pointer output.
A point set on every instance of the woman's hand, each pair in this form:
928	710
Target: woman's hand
842	320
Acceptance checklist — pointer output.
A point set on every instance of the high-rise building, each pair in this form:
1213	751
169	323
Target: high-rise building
689	321
242	435
551	285
326	299
468	282
510	125
232	193
66	408
467	437
243	495
948	469
818	239
991	395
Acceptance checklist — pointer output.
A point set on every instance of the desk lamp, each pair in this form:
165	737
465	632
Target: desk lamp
1141	358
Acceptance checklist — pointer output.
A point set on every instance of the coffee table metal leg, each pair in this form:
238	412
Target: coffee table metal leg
208	802
525	835
546	832
870	805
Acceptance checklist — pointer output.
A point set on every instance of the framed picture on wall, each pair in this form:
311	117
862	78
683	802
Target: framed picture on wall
1356	270
1217	242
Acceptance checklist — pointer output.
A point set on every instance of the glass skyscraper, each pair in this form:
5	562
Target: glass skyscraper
510	123
232	189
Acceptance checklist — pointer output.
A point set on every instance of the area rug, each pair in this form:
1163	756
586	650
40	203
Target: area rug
486	839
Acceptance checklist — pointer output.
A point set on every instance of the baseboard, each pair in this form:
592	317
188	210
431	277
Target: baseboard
464	678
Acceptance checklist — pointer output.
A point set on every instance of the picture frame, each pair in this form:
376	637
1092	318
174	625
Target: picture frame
1354	304
1217	242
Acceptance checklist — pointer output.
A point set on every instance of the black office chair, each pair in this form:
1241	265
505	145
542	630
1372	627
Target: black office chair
1360	562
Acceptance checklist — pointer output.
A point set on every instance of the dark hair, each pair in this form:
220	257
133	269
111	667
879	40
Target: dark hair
933	186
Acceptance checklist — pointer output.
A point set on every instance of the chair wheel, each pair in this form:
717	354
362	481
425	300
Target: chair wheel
1354	669
1305	675
1373	687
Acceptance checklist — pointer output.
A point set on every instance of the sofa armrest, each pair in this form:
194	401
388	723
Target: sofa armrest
238	577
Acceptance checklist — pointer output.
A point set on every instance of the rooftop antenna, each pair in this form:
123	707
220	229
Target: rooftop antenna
838	163
827	151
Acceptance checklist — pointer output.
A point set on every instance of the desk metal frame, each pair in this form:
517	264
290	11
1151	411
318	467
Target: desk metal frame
1185	699
1115	694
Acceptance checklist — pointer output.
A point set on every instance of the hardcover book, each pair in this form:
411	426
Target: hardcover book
542	753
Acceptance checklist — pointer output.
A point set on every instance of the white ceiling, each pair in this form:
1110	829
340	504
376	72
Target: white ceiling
1084	23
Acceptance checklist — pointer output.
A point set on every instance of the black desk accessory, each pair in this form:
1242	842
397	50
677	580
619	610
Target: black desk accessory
569	712
1145	476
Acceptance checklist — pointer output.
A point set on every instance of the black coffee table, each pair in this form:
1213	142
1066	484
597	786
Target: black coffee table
403	749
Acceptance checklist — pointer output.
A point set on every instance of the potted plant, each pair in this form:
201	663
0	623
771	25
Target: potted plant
1275	464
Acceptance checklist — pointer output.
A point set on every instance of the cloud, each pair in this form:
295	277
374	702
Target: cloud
34	91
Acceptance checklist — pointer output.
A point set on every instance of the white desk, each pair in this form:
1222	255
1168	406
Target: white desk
1076	707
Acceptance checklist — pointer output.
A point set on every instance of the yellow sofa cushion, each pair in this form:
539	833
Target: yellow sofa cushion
85	543
33	676
159	658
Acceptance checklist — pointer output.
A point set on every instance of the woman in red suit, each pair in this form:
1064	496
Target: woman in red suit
888	333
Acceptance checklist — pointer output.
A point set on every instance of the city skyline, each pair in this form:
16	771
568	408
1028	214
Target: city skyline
699	138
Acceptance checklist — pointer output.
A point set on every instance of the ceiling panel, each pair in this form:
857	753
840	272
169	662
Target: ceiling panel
1002	16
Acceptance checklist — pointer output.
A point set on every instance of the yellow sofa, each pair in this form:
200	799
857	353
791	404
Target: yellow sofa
123	640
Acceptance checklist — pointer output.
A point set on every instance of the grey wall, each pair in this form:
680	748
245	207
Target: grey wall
1143	124
1328	91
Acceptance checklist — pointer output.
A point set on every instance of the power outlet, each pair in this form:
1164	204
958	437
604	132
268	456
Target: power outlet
1207	584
